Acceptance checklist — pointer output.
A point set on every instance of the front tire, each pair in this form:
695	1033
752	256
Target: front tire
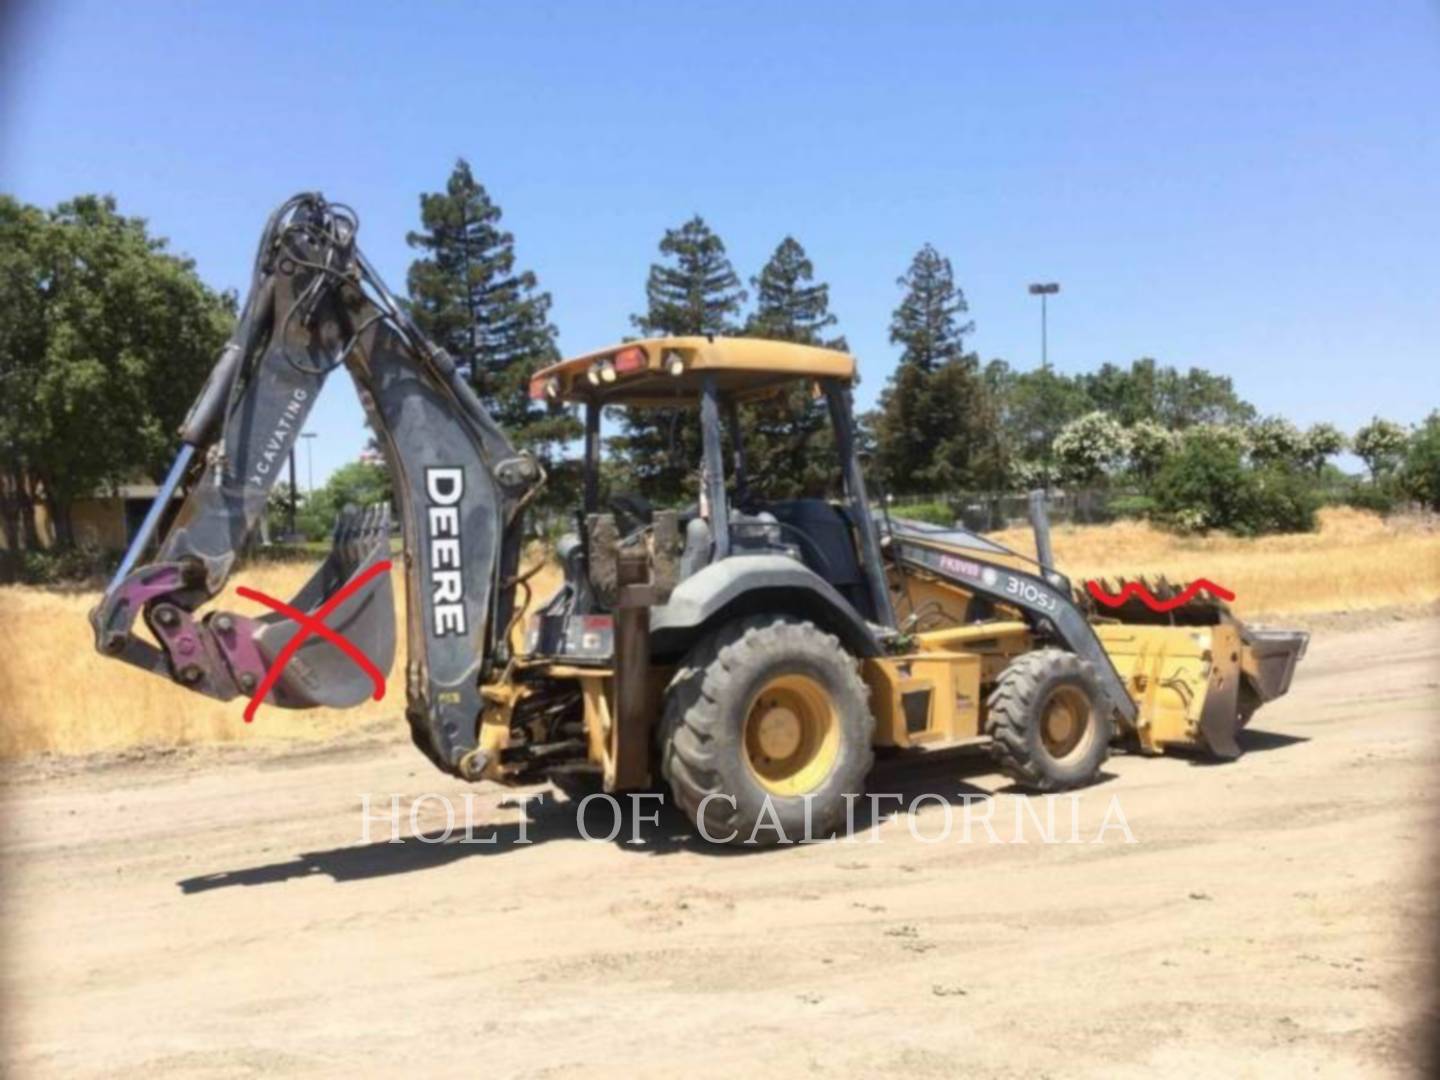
765	715
1049	726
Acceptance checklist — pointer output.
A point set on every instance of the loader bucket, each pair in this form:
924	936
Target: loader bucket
320	672
1197	686
1269	660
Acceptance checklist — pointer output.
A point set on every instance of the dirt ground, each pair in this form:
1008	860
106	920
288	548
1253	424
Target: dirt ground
216	914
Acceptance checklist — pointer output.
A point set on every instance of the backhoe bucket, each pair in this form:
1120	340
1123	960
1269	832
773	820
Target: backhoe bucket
320	672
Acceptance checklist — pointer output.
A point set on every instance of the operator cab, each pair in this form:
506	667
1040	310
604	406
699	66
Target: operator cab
717	393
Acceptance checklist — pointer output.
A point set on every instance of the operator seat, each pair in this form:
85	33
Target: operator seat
830	551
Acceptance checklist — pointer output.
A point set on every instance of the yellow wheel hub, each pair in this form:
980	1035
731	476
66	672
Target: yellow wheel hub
792	735
1064	721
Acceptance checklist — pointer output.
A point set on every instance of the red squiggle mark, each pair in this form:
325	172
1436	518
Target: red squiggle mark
1134	588
314	624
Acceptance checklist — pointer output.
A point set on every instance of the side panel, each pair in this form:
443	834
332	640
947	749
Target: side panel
925	698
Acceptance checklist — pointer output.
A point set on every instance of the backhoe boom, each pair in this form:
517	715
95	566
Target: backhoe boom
316	304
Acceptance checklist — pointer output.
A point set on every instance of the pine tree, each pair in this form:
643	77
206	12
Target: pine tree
697	292
693	291
788	442
787	306
466	294
937	429
925	324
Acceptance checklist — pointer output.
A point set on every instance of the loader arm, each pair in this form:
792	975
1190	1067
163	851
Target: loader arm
316	304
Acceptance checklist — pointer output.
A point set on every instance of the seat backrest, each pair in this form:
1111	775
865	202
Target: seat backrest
831	548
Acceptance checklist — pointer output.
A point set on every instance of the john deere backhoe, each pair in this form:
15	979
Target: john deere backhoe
748	651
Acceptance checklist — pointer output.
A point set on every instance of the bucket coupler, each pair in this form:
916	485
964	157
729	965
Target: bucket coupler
224	655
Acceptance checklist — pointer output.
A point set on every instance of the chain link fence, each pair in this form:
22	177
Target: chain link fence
989	511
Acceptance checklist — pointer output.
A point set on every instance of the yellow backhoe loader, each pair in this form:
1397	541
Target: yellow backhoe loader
748	652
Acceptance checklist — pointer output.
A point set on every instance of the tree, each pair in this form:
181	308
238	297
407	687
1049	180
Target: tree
696	291
468	297
1033	407
1205	484
1275	441
1147	391
693	291
106	341
1090	447
360	484
789	305
1421	471
790	448
1381	445
1150	445
937	428
1321	442
1235	439
925	324
1199	397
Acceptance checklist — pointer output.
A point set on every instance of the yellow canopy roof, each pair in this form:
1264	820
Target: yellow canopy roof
669	371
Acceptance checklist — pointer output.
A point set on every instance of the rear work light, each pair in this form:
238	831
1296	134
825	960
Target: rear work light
631	359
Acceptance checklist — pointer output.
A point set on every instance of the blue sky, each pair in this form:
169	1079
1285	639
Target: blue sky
1249	188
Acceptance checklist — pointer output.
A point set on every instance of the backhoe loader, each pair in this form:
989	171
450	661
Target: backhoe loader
750	652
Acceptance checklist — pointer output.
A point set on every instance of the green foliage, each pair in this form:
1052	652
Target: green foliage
937	427
1034	406
1149	445
926	324
1131	506
789	306
1152	403
696	291
105	342
693	290
359	484
1028	475
1275	441
64	566
1089	448
938	431
1320	443
788	442
1147	391
1421	472
468	297
1277	500
1382	497
1381	445
1207	485
932	513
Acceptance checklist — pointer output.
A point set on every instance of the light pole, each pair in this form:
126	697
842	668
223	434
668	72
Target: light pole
1043	291
309	462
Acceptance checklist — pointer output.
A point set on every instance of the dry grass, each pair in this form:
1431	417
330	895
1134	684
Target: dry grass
58	695
1355	562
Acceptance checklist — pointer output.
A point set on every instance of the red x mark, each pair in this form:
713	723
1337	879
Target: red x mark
315	624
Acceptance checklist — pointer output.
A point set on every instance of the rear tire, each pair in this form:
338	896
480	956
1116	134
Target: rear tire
1049	726
766	712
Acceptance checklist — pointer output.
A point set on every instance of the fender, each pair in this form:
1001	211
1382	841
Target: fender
750	585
